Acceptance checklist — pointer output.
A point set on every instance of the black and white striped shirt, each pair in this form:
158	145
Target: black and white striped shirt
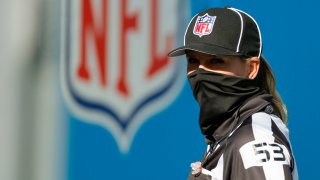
257	149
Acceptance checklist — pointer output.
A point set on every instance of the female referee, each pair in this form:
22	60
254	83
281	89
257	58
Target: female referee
241	115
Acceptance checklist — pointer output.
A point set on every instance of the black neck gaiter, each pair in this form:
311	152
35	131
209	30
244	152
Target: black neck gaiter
219	96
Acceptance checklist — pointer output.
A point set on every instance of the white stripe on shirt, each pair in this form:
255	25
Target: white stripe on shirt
261	127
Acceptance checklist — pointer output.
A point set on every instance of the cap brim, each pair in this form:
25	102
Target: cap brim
208	49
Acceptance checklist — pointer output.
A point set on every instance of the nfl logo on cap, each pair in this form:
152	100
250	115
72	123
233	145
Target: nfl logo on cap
204	25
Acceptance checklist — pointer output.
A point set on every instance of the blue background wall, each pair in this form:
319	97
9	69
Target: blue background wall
169	141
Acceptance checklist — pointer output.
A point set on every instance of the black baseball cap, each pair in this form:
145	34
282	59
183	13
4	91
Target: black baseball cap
222	31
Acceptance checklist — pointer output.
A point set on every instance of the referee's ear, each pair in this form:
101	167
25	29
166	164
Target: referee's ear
253	67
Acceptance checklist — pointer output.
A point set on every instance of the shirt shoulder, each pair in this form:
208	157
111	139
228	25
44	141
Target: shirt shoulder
260	127
259	148
261	138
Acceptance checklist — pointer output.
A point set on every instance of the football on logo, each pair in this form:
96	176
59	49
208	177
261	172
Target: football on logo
115	69
204	25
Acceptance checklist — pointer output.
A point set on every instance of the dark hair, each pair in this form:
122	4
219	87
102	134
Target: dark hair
267	82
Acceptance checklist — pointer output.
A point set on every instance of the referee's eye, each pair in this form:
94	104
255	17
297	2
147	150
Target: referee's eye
193	61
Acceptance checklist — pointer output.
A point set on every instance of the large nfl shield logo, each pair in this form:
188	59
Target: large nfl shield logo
204	25
115	69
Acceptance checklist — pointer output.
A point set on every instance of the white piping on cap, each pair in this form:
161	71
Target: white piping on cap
185	33
238	46
260	49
